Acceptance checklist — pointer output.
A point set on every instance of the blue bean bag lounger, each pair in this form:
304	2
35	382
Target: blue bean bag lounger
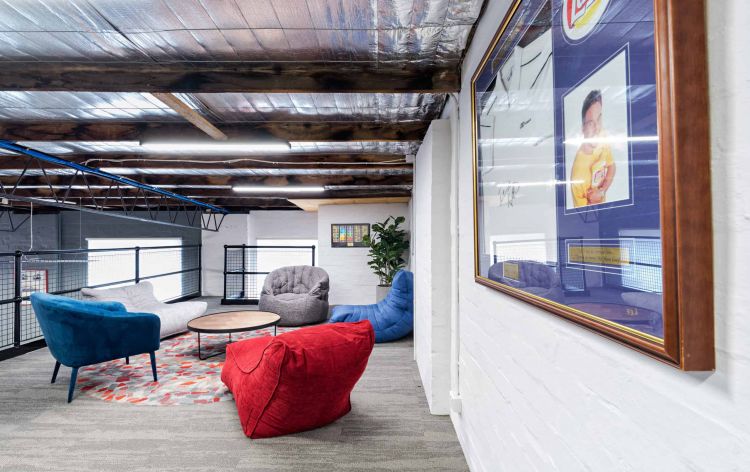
392	318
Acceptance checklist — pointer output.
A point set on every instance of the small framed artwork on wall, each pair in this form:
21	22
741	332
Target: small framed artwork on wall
349	234
592	195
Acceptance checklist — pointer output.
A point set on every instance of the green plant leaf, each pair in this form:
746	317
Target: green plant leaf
387	243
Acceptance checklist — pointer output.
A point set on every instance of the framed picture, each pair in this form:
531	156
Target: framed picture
349	235
592	194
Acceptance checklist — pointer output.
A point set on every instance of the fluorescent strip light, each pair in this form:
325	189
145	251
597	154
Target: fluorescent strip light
271	189
217	148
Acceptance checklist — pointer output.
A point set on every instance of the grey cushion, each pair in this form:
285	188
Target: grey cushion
298	294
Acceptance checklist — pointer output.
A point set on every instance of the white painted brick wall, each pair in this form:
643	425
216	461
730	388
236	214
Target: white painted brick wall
543	394
432	276
352	280
282	224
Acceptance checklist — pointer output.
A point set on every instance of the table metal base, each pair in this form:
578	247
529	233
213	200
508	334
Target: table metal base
219	352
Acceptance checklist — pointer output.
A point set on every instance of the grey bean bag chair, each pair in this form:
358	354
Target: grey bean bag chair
298	294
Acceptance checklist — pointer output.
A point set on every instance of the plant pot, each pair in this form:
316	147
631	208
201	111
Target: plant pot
381	291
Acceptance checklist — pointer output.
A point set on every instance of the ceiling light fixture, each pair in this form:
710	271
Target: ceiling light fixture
215	147
271	189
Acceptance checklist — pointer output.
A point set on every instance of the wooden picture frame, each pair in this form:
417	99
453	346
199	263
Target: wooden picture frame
686	330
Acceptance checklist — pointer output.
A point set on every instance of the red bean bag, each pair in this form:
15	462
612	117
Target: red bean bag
299	380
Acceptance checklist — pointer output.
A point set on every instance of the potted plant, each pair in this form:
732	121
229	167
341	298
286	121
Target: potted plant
387	244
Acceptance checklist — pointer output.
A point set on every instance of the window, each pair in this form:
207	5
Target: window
646	260
107	267
522	247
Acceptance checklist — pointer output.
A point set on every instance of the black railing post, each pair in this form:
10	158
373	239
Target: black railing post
137	264
243	293
17	299
225	272
200	270
313	255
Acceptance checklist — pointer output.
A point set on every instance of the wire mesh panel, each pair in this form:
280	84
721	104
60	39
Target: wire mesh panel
173	270
246	267
7	308
30	329
236	281
7	330
7	270
110	268
646	258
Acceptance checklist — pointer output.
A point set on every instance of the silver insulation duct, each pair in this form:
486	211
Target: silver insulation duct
296	147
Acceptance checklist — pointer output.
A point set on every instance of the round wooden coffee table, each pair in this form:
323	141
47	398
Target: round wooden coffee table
231	322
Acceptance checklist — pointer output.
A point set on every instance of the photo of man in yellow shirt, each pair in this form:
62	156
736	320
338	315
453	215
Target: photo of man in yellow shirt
593	168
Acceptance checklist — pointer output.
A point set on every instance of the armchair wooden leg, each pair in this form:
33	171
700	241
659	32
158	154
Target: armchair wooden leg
72	387
127	359
153	364
54	372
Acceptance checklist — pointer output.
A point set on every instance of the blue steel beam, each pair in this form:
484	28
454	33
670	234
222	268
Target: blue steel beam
11	146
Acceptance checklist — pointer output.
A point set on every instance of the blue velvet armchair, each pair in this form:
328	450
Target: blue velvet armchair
83	333
392	318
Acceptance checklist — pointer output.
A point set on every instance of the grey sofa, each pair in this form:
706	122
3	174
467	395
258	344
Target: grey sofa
140	298
298	294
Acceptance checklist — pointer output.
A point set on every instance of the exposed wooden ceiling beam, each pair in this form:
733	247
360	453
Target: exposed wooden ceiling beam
226	77
255	160
231	205
191	115
182	132
228	193
202	160
275	181
165	167
313	204
248	202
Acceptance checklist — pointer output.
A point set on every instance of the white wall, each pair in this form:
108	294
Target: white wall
352	281
282	225
540	393
247	229
431	264
233	230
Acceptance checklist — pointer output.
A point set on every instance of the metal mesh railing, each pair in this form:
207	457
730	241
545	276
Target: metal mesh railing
175	272
246	267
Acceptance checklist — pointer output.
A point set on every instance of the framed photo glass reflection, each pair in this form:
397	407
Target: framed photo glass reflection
580	170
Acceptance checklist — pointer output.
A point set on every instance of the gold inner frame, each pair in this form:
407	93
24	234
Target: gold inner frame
570	313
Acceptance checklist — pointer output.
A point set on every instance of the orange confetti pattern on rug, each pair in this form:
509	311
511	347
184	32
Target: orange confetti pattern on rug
183	378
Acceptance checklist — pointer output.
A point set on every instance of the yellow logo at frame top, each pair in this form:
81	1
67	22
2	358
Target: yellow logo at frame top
599	255
580	17
511	271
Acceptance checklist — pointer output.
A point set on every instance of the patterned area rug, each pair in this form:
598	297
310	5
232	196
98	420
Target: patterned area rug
183	378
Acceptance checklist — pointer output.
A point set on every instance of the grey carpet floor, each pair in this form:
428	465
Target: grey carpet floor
389	428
